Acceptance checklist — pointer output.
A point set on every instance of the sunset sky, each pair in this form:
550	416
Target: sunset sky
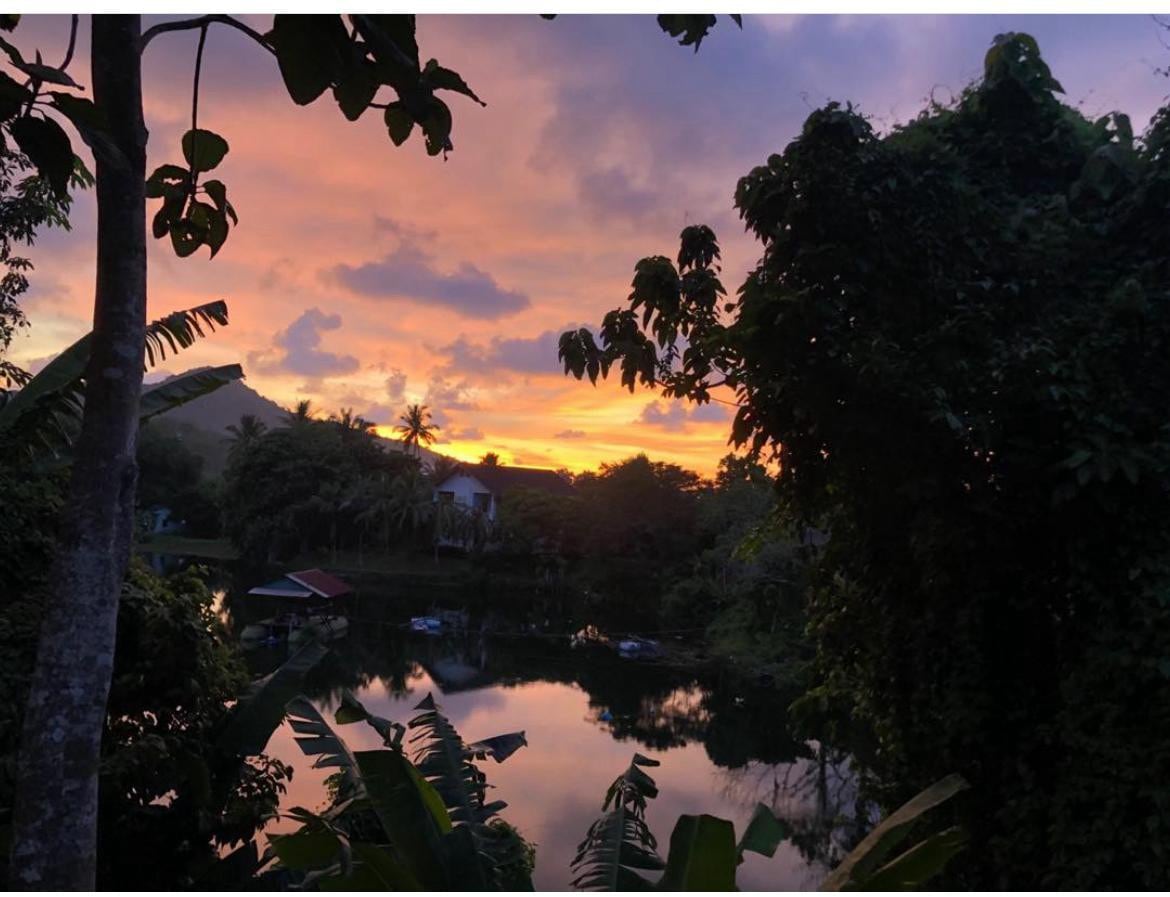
370	276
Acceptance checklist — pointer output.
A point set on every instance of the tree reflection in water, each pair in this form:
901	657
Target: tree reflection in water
745	731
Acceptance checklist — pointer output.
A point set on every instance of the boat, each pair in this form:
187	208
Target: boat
438	620
309	609
428	625
638	648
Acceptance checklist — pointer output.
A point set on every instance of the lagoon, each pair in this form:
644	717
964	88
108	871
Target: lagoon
585	712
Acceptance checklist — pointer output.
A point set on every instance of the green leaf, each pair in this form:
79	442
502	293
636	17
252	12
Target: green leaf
439	78
203	150
407	814
47	147
185	388
399	123
893	829
702	855
306	849
918	865
764	832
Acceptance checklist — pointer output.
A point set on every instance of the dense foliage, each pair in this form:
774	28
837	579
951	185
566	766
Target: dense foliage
168	798
955	343
26	204
295	487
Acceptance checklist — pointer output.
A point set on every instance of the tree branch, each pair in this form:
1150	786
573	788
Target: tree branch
202	22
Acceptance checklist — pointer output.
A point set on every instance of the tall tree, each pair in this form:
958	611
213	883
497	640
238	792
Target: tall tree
301	414
416	428
244	434
356	61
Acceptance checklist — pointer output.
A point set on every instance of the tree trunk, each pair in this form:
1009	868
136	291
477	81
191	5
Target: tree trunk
55	815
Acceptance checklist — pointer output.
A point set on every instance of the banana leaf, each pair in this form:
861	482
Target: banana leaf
702	855
185	388
619	843
877	845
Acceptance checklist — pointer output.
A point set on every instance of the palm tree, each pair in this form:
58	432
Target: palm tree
416	428
351	424
302	413
244	435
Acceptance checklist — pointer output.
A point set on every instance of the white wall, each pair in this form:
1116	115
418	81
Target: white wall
465	487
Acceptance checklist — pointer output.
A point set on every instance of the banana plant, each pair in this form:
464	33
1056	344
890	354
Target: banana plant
619	848
46	412
397	824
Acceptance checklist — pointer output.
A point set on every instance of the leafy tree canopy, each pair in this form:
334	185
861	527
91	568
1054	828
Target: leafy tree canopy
955	343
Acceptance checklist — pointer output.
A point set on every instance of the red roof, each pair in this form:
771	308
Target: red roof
320	583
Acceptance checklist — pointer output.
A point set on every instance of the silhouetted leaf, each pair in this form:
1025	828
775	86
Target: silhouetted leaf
92	126
47	147
203	150
399	123
356	89
439	78
311	50
185	388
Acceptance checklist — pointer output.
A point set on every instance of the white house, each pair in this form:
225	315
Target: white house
482	486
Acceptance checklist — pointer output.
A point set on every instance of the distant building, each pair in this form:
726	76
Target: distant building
481	487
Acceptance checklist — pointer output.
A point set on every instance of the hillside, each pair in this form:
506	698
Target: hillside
218	410
202	422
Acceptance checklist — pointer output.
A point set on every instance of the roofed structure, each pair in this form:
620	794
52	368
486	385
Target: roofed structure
304	584
500	478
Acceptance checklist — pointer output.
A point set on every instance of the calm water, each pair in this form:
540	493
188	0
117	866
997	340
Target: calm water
585	712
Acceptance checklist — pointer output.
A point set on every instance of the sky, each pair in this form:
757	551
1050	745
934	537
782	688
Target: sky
365	275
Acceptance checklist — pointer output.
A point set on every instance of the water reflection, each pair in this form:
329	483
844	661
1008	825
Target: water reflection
585	711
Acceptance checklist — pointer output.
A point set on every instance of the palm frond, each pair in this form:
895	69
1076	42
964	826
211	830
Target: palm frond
619	845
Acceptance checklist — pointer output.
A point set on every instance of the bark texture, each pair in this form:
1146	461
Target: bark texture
55	816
